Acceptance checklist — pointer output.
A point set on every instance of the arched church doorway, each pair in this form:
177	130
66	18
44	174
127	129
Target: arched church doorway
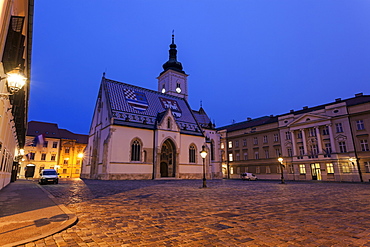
167	162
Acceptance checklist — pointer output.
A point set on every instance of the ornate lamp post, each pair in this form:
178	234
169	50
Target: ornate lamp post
280	159
203	153
16	81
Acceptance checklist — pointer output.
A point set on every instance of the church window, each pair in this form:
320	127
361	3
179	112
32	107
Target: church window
168	123
212	150
135	151
192	154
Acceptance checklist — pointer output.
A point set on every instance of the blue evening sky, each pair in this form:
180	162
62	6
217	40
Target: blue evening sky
245	58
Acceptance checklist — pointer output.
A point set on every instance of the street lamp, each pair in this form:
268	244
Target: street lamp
16	81
203	153
280	159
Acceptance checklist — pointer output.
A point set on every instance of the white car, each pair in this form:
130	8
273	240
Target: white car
248	176
48	176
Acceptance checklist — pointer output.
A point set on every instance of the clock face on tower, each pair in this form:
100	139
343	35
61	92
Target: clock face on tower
178	90
163	90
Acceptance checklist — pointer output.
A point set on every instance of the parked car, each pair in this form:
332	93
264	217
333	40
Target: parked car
48	176
248	176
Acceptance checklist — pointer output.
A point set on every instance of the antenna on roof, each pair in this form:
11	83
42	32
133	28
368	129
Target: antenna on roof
201	104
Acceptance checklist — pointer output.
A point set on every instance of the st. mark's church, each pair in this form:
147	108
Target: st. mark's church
138	133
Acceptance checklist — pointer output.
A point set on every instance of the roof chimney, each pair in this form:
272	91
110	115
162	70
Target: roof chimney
305	107
291	111
337	100
249	119
359	94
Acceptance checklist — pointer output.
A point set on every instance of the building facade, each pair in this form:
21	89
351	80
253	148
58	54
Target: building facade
49	147
137	133
16	18
327	142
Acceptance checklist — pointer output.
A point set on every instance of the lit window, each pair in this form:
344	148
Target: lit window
230	144
222	145
330	168
230	157
66	150
346	168
302	169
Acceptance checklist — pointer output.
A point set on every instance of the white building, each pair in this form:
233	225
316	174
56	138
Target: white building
137	133
16	18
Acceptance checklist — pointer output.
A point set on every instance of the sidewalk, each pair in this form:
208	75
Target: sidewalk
28	212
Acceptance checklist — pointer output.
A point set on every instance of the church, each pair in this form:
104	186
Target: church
138	133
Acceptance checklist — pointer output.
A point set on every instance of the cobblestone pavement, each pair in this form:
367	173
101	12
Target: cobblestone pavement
227	213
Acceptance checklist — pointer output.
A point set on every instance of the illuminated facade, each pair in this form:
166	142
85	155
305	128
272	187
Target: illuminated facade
48	147
137	133
328	142
16	17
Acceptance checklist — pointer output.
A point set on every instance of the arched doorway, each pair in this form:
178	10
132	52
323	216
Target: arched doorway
30	171
168	162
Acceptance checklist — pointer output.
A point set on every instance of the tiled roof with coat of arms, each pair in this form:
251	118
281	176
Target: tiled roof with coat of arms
135	106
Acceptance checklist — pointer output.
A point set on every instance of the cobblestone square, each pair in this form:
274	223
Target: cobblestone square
227	213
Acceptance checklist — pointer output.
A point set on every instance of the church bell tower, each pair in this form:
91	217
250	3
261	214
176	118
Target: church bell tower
173	79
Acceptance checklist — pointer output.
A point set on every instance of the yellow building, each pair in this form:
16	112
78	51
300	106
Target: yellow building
48	147
15	58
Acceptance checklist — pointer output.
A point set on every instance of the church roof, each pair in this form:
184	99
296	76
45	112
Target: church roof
135	106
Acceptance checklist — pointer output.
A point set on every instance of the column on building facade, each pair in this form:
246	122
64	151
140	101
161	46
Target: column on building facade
304	141
318	135
293	143
331	137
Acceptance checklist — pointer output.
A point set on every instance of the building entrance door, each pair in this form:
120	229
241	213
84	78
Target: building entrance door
167	163
30	171
316	171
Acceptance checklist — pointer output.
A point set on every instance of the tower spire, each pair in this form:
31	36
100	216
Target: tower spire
172	62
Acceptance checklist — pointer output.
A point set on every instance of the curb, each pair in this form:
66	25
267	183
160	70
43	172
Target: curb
67	224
